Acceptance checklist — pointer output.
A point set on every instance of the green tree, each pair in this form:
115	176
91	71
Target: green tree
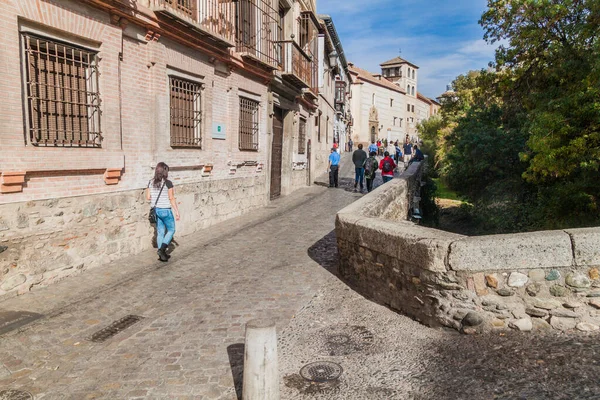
552	53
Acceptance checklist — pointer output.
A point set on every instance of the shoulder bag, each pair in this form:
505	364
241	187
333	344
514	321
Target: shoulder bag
152	214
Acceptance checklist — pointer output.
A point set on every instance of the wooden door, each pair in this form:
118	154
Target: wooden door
276	153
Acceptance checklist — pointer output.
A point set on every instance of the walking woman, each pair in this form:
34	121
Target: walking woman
165	203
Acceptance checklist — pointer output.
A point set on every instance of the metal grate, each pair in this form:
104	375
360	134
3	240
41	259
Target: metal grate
258	30
322	371
249	122
302	137
186	113
62	93
114	328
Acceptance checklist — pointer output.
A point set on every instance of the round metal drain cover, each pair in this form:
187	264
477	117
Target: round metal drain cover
321	371
12	394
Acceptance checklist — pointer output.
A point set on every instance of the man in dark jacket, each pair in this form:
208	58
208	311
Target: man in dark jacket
371	165
358	158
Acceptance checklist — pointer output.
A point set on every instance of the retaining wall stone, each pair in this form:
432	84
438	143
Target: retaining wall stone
586	243
47	240
528	282
551	249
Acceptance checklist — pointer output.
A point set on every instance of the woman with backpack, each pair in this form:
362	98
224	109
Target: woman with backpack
163	202
370	168
387	165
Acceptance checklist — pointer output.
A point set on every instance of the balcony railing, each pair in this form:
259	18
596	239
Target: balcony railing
252	26
258	31
213	17
297	66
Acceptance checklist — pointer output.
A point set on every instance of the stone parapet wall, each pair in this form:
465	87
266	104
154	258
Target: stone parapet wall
528	281
44	241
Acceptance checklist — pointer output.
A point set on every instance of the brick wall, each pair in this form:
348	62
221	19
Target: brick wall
66	218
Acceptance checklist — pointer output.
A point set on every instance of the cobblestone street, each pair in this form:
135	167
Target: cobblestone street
280	263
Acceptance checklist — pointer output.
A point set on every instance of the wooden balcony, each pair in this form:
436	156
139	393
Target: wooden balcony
215	19
297	66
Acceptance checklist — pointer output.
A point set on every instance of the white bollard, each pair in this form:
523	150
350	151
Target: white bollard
261	372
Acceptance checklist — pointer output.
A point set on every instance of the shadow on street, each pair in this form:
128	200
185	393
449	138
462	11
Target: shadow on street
236	361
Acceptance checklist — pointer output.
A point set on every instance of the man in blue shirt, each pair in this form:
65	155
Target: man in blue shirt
373	147
333	167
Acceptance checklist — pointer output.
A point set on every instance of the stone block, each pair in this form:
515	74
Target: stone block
412	244
480	286
12	282
563	324
515	251
585	246
492	280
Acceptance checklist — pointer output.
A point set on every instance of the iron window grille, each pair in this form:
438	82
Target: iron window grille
249	124
258	30
186	113
63	100
302	137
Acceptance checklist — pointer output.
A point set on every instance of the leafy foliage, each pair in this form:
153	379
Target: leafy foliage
522	143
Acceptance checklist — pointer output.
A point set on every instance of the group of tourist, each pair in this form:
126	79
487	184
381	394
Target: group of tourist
164	210
366	164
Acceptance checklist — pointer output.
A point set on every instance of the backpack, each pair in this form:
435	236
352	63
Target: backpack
369	167
387	166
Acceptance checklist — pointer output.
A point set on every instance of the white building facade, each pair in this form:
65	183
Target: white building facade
388	105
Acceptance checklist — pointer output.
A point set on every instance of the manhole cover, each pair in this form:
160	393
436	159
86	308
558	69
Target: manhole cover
114	328
342	340
12	394
321	371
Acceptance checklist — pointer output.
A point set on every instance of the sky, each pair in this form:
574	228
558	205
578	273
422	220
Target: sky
442	37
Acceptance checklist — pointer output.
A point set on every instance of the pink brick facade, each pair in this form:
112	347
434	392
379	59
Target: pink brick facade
66	209
135	108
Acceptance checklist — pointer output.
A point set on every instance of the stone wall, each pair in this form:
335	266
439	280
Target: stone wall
529	281
44	241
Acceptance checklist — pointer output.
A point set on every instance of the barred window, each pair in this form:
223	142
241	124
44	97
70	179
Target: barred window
248	124
186	113
302	136
63	101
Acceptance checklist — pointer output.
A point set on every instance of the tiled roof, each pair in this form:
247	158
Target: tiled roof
421	96
426	99
397	60
379	80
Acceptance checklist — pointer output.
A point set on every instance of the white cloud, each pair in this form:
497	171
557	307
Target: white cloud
478	48
442	38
